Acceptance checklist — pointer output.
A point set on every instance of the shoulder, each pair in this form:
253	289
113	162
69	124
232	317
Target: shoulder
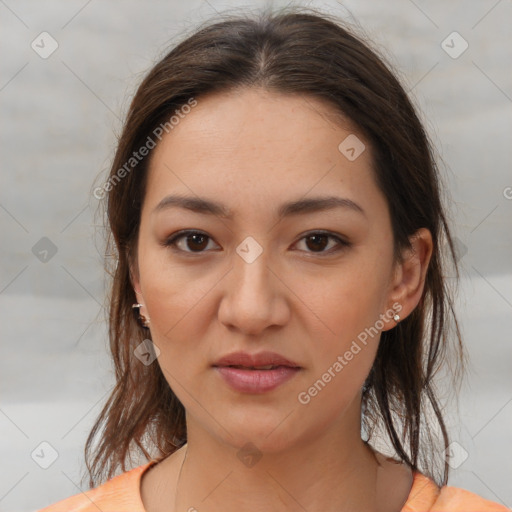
121	492
425	496
459	500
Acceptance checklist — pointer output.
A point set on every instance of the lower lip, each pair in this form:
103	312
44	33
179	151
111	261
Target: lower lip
256	381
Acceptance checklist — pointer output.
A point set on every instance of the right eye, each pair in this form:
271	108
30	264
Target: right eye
195	240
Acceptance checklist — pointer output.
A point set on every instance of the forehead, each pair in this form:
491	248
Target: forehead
249	146
257	119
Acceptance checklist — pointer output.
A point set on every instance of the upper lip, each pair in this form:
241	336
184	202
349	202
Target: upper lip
259	359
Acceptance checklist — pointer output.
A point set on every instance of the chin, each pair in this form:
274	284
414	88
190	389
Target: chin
260	443
270	431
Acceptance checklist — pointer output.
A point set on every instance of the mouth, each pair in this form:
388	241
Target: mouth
258	361
257	373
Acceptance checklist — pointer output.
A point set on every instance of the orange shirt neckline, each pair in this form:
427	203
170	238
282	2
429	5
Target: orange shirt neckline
422	495
123	492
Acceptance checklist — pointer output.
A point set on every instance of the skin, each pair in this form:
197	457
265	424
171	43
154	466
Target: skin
253	150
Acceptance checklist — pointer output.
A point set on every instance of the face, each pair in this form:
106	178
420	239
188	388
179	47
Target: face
306	285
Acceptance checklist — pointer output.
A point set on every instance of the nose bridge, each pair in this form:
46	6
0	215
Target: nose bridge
250	301
251	267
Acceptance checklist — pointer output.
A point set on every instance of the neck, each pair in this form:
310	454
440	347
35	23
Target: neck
335	471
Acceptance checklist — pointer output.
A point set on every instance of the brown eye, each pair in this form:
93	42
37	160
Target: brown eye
194	241
317	242
197	241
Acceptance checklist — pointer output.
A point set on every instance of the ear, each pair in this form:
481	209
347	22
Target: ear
408	282
134	279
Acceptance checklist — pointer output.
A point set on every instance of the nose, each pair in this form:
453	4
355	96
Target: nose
254	297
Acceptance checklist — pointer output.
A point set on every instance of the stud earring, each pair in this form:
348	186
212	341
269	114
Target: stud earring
396	318
141	319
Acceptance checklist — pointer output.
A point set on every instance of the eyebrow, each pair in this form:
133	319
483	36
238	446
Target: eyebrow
299	207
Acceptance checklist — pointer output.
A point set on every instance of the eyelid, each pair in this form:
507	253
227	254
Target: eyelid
170	242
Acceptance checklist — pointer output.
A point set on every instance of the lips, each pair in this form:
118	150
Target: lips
261	360
255	373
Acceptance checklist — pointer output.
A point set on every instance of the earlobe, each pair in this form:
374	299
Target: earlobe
410	274
142	318
136	289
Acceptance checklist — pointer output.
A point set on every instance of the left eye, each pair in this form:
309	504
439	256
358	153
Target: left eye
319	240
198	241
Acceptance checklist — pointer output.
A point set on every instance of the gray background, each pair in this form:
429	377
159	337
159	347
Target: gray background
61	116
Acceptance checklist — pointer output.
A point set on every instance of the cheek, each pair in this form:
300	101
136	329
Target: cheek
176	311
343	304
170	290
344	331
178	324
341	355
173	301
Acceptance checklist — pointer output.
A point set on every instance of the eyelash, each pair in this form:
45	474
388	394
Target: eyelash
171	241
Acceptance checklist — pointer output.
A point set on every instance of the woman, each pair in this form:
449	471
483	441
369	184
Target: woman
274	209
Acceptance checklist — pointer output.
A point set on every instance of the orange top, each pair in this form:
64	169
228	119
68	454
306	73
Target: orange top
122	494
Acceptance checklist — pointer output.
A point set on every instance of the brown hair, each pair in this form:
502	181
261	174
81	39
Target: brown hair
295	50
